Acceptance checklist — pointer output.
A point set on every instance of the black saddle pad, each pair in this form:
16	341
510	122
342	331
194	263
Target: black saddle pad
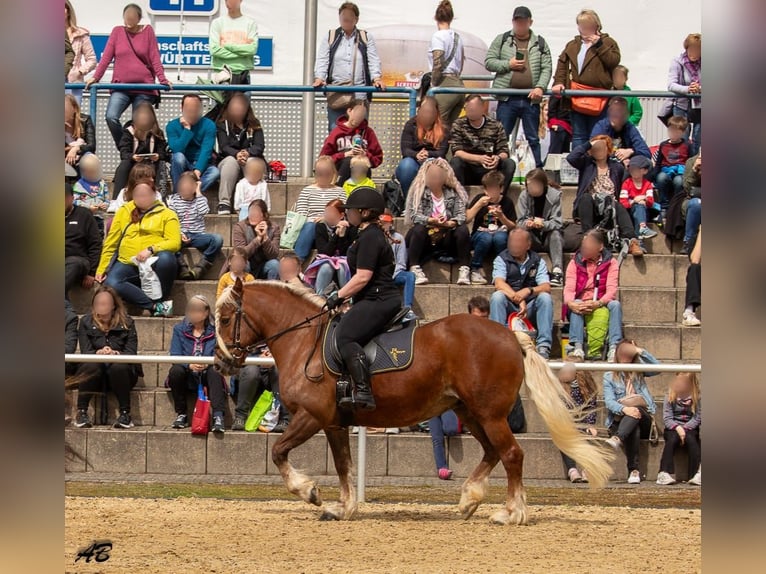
389	351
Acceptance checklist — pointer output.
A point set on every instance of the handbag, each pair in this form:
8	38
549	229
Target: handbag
156	97
633	401
343	100
201	418
260	408
394	196
587	105
294	222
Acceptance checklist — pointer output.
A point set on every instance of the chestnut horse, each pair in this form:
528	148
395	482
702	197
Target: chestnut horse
465	363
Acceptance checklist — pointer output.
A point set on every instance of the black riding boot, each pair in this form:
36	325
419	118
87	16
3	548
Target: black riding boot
359	370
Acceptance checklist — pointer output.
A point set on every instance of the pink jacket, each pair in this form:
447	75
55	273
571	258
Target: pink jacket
129	69
84	55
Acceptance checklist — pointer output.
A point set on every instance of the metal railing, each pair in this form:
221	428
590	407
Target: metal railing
564	93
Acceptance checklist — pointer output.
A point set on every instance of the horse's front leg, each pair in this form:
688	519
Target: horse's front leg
345	508
301	428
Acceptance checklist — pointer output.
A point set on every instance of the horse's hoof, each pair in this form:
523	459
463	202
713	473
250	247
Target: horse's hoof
328	516
500	518
314	497
467	511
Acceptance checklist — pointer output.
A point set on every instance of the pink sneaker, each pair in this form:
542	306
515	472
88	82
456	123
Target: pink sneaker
445	474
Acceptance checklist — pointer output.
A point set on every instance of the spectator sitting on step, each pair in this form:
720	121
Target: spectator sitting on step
443	425
637	196
259	236
142	228
106	330
138	172
79	132
312	201
192	140
627	141
251	187
240	137
252	381
402	276
670	161
493	215
424	136
539	212
71	321
236	264
82	244
694	284
360	167
581	388
436	210
334	235
91	191
523	286
142	142
352	137
479	144
479	306
592	280
620	81
629	405
195	336
191	207
682	415
290	270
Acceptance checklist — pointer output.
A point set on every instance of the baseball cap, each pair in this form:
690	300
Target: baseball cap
640	162
386	218
521	12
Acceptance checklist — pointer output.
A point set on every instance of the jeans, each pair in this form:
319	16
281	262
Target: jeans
326	274
638	213
407	280
539	311
269	270
482	241
582	126
305	241
180	163
471	173
125	280
668	186
182	380
693	220
614	336
630	431
332	118
406	171
516	107
446	424
672	442
209	243
118	103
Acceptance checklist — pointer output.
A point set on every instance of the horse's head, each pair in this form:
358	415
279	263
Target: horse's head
236	333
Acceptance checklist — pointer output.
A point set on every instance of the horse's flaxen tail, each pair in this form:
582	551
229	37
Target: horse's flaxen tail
551	401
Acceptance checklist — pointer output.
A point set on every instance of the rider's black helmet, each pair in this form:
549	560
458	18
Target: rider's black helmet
366	198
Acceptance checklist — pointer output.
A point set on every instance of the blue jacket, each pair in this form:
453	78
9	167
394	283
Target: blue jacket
196	144
631	137
614	389
579	159
183	342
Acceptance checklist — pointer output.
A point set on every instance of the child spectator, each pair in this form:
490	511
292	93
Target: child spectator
91	191
539	212
402	276
670	160
493	215
561	129
237	262
360	167
191	207
620	81
251	187
637	196
581	387
142	141
682	415
479	306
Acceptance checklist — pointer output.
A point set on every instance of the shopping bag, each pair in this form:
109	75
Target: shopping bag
271	418
525	162
201	417
294	222
597	327
150	281
261	407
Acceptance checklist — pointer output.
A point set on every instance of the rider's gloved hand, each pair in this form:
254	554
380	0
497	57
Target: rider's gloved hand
333	301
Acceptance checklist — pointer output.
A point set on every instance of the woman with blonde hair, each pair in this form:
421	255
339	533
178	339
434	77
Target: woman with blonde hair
84	54
436	210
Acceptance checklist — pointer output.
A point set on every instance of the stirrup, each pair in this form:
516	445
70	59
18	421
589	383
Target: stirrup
352	403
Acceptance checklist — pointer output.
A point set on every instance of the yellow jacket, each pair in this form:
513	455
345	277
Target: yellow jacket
158	228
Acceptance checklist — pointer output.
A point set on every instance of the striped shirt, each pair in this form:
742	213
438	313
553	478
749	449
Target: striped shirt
312	200
191	212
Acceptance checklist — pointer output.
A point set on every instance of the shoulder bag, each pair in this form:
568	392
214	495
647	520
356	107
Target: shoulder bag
587	105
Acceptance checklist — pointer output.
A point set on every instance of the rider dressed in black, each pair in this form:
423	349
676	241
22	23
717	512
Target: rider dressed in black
376	298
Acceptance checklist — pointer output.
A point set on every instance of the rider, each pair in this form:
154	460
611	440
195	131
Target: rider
376	298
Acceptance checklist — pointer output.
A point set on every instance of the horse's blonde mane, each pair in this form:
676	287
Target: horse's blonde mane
227	297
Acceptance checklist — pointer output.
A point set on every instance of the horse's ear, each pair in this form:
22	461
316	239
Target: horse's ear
237	289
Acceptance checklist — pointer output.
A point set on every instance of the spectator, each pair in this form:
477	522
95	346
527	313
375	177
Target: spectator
588	60
191	208
682	415
599	179
670	161
446	424
436	210
139	172
192	140
402	276
637	196
627	141
259	236
251	187
523	286
79	132
68	57
582	390
539	212
560	126
312	200
233	43
333	236
142	142
521	60
107	330
91	191
446	56
479	144
237	263
71	321
629	405
591	283
253	380
690	202
195	336
694	284
685	77
142	228
84	57
240	137
360	167
133	49
620	81
338	59
479	306
424	136
290	270
493	215
352	137
82	244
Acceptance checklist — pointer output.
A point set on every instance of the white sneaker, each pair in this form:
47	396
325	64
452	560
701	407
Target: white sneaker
690	319
464	275
697	478
420	276
477	277
578	353
354	430
634	478
614	442
392	430
665	479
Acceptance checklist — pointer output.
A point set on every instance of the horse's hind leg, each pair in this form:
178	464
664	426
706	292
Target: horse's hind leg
476	485
345	508
499	433
301	428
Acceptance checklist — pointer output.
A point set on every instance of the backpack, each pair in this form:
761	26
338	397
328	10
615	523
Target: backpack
394	196
541	44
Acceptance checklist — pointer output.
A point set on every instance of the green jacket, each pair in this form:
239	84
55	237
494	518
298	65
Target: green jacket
499	56
635	111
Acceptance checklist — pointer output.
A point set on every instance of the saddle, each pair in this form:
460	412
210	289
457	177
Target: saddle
392	350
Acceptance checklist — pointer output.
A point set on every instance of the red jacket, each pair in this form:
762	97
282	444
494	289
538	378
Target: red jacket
341	139
629	191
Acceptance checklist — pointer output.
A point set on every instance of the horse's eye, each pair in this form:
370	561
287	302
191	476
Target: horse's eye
225	321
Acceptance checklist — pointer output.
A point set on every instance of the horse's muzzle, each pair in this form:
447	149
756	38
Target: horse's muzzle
225	365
